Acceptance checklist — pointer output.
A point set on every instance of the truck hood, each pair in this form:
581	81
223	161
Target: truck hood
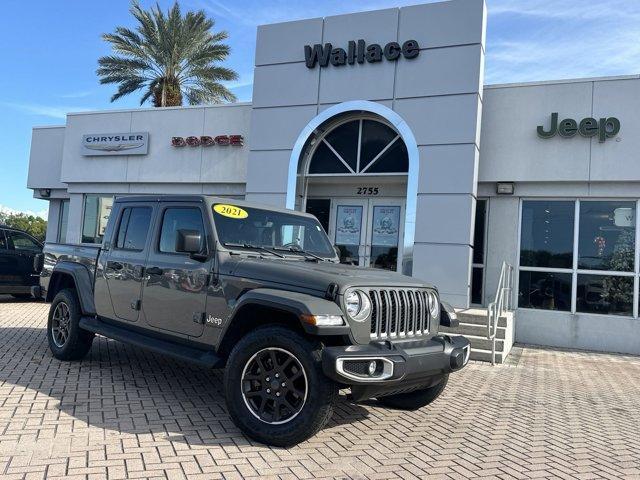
318	276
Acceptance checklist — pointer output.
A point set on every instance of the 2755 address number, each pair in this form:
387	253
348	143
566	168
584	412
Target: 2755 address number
367	191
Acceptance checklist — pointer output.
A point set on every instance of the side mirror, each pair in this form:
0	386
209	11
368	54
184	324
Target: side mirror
189	241
448	317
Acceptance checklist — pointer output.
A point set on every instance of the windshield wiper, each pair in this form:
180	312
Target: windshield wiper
301	252
248	245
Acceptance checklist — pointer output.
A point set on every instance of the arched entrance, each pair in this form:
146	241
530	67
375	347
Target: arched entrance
356	170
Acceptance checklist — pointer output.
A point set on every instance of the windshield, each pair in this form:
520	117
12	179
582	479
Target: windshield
268	229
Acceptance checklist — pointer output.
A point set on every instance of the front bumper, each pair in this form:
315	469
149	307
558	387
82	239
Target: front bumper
401	366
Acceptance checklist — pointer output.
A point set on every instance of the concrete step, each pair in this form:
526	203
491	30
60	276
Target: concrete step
477	319
483	343
485	355
472	329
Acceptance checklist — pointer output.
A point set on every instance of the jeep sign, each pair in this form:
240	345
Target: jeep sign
588	127
100	144
358	52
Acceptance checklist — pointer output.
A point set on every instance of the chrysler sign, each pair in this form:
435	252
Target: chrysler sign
97	144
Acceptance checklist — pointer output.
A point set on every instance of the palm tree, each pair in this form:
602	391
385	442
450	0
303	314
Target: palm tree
168	56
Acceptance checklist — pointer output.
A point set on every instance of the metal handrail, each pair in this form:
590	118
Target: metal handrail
499	306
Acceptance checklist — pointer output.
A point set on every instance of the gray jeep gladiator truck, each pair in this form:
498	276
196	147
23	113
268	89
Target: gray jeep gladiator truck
259	291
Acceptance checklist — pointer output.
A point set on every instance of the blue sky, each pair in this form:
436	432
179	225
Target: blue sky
50	50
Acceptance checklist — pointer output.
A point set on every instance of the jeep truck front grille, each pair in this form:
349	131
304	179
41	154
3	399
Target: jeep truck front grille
398	313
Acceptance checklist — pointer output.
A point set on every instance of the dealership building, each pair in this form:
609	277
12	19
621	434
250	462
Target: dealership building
379	123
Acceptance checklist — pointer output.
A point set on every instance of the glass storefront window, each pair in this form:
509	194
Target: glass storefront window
477	274
607	236
97	209
605	239
479	232
64	221
608	294
547	234
545	290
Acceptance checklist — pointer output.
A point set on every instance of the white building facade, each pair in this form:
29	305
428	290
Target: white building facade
380	124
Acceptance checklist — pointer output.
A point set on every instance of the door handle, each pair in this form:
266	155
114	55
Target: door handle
154	271
115	265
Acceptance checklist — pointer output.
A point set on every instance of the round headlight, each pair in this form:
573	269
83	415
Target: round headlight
434	304
357	304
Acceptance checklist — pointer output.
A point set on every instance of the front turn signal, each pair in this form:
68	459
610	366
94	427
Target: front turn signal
323	320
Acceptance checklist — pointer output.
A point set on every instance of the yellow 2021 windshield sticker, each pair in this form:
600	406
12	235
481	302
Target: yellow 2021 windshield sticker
230	211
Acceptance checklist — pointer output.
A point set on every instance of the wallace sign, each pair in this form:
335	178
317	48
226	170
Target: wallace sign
358	52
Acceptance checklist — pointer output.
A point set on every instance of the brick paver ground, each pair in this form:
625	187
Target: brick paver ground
126	413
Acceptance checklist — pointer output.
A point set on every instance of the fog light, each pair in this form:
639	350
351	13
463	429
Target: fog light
457	359
372	367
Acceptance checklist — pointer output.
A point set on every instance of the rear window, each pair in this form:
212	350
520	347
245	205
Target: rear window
134	228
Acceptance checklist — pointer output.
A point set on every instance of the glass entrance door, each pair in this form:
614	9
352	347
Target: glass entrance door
385	224
368	232
348	229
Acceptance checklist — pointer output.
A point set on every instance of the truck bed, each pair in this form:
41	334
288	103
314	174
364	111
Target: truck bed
54	253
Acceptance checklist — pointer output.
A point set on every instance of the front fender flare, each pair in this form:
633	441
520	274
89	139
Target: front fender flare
83	281
295	303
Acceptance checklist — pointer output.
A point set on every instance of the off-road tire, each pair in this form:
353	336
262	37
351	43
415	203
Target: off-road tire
321	391
78	342
417	399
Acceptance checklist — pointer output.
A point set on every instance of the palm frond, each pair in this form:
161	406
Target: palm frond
168	50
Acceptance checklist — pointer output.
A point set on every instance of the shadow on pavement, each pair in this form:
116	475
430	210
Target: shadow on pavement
125	389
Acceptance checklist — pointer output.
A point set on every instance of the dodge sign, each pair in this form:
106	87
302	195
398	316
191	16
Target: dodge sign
136	143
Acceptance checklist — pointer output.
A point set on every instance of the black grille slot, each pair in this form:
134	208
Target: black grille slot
393	318
375	311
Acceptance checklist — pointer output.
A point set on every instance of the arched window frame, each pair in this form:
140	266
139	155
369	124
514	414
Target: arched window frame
322	132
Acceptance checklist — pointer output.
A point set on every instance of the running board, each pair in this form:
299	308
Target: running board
181	352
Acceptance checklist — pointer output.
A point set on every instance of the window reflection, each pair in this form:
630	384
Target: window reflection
96	214
547	234
605	294
545	291
607	236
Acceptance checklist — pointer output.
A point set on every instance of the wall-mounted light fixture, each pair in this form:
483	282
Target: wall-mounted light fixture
505	188
44	192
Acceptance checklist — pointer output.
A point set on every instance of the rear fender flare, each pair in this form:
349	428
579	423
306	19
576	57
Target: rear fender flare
82	280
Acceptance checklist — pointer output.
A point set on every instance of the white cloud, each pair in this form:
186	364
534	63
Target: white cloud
44	213
53	111
76	94
549	40
244	80
554	9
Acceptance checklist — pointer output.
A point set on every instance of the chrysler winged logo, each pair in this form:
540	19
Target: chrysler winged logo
115	144
115	148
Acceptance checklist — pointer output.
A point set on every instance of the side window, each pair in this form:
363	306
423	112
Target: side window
122	228
3	241
133	228
21	242
179	218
